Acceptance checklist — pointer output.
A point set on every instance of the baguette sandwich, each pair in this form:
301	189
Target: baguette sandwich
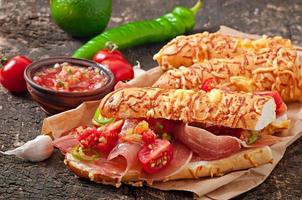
187	50
144	135
274	70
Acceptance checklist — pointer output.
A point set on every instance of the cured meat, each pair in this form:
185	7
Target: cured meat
181	157
207	145
129	152
66	143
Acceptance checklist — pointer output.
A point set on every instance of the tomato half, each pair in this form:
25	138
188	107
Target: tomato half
208	84
280	105
105	54
12	74
155	156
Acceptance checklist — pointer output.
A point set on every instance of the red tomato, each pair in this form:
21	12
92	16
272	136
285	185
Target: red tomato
148	137
107	141
89	138
12	74
104	54
208	84
109	137
280	106
121	69
155	156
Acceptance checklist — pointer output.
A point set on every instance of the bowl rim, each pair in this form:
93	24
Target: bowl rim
78	61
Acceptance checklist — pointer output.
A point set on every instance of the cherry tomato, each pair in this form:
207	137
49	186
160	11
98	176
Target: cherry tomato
148	137
155	156
222	130
104	54
12	74
280	105
121	69
208	84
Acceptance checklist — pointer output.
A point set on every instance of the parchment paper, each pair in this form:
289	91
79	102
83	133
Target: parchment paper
225	187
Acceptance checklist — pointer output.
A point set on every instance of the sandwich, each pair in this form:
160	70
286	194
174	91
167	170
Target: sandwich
187	50
145	135
274	70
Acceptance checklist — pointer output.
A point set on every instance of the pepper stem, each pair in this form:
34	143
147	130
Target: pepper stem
111	46
197	7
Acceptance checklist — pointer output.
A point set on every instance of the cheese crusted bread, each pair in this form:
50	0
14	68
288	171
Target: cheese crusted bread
273	70
218	107
187	50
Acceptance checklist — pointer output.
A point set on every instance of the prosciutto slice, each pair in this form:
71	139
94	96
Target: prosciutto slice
207	145
129	152
66	143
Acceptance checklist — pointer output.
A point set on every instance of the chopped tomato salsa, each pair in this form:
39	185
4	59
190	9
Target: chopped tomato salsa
70	78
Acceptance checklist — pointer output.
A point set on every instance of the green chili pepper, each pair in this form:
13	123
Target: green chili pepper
168	26
81	154
99	120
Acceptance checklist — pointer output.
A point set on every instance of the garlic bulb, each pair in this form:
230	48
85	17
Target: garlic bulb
34	150
138	71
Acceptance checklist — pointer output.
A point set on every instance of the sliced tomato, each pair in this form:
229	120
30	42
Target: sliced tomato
109	137
148	137
280	105
208	84
89	137
155	156
107	141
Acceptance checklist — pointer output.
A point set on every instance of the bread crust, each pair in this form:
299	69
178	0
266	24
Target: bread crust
242	160
187	50
272	70
218	107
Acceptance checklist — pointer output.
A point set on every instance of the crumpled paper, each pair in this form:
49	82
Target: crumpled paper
224	187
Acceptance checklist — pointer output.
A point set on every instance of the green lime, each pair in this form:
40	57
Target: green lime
81	18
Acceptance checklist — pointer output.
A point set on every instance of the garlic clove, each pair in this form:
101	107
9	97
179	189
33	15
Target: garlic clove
35	150
138	71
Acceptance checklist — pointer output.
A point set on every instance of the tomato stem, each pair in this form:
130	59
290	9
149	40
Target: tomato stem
111	46
3	60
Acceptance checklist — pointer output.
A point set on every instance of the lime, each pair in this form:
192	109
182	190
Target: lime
81	18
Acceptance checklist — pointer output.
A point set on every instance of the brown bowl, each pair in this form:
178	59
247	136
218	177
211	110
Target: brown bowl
52	101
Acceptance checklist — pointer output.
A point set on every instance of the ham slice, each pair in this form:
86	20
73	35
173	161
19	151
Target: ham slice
207	145
129	152
66	143
181	157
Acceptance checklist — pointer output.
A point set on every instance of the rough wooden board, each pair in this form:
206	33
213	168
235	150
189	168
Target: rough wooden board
26	28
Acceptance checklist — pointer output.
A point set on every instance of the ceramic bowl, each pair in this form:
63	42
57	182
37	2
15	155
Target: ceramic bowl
52	101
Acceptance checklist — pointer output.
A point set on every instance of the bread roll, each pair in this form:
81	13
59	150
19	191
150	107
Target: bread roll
272	71
187	50
218	107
